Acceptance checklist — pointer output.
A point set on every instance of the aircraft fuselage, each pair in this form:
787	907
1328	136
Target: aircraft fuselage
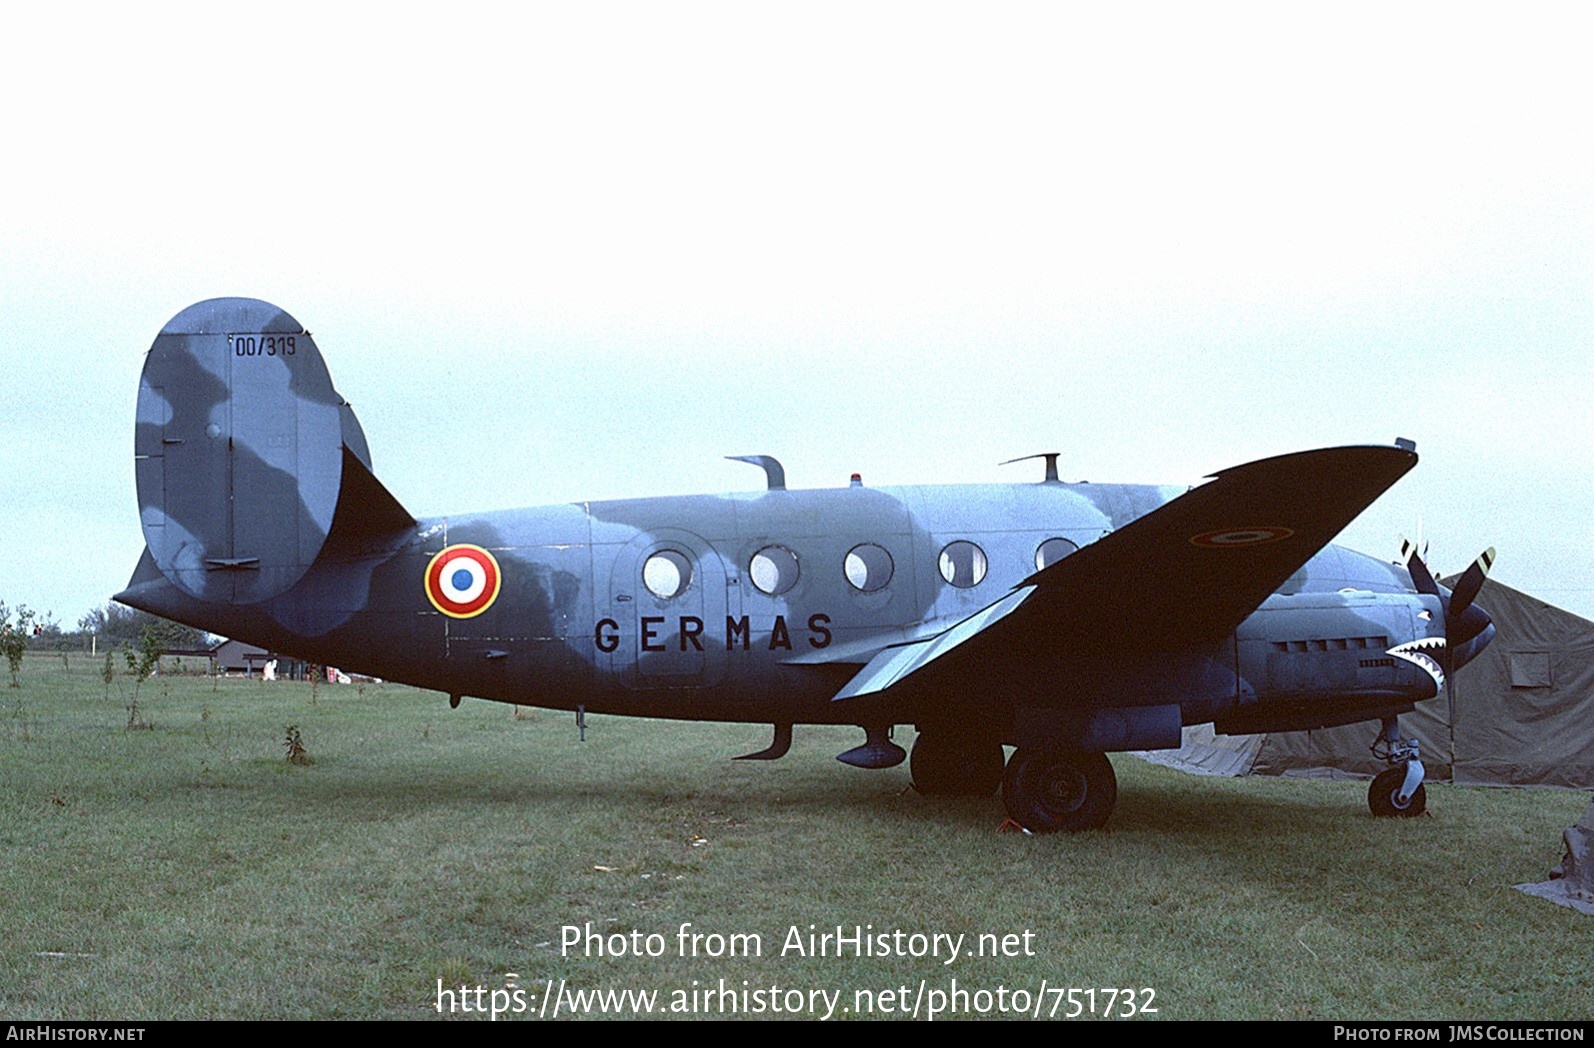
1068	620
576	622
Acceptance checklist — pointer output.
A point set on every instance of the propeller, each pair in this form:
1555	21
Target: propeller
1464	622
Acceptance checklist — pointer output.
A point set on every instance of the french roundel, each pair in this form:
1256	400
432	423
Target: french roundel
1231	537
462	581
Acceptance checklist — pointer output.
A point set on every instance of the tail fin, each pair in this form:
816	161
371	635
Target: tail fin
243	450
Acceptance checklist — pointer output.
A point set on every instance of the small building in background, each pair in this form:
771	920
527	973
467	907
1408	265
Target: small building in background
236	658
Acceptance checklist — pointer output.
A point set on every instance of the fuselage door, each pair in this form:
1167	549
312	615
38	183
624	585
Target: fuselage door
667	593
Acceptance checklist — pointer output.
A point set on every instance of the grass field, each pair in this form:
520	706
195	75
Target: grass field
183	868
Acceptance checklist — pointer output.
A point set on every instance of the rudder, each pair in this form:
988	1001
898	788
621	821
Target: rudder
239	450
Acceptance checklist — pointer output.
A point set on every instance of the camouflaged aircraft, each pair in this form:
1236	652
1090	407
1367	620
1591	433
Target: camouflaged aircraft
1065	620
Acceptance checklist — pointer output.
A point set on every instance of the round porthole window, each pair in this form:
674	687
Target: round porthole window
1051	551
868	567
773	570
667	574
963	564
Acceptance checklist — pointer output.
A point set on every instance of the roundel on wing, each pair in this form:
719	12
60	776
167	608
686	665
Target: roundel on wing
462	581
1226	538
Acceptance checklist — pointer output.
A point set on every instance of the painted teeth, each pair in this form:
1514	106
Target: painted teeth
1417	652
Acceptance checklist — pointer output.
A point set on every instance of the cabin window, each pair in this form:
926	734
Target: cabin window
868	567
773	570
963	564
1051	551
667	574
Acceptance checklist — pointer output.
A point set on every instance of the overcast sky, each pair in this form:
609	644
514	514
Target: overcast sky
567	252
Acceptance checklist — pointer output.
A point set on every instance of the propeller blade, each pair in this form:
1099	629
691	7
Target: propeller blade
1471	581
1421	577
1423	580
1462	622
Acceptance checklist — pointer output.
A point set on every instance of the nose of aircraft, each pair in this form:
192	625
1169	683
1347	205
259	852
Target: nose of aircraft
1470	632
1467	627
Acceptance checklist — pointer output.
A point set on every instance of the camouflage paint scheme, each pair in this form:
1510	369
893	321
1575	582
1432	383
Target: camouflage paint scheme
264	522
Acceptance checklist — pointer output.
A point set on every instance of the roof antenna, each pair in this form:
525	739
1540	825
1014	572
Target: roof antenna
1051	464
773	470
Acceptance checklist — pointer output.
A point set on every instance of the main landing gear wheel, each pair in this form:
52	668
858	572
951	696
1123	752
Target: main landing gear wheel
945	766
1383	796
1049	790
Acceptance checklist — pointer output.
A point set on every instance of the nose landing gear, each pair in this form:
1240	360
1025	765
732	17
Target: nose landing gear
1398	791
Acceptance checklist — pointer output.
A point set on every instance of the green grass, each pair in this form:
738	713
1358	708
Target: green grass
188	870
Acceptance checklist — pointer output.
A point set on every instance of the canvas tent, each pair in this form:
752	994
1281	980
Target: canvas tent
1572	882
1524	715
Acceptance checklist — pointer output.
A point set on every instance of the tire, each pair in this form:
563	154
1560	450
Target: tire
1047	791
1383	796
945	766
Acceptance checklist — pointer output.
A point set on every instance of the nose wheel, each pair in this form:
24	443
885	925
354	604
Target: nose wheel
1388	799
1397	792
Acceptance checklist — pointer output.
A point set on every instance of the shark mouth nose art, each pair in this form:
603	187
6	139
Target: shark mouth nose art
1424	654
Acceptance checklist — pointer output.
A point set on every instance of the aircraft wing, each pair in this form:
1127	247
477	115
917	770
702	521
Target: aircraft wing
1183	576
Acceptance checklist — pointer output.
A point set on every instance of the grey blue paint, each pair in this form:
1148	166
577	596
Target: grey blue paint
264	522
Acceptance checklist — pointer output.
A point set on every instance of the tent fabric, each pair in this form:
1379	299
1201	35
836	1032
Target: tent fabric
1524	715
1577	865
1206	753
1572	882
1528	714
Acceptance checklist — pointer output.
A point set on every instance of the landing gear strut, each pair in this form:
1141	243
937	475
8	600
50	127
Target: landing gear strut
1397	791
1050	790
946	765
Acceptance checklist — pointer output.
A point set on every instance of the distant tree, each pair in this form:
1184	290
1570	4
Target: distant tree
118	625
141	663
15	629
144	659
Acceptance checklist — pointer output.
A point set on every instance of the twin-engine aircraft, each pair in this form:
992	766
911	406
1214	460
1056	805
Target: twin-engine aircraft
1065	620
